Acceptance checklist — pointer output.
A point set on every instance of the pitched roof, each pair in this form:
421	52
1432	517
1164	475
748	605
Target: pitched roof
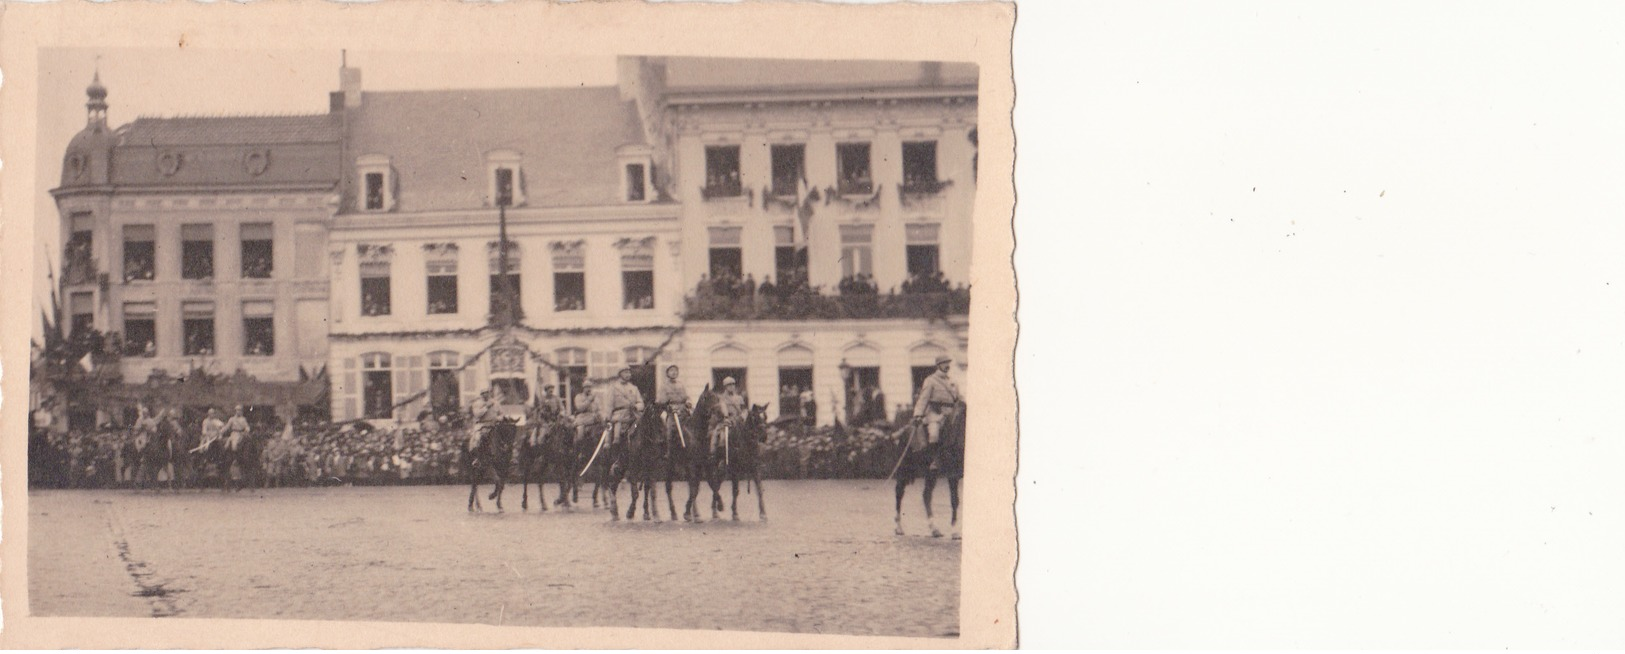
231	130
437	142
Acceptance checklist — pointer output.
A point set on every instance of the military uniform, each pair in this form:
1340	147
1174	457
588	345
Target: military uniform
587	418
938	397
625	405
674	398
485	413
236	429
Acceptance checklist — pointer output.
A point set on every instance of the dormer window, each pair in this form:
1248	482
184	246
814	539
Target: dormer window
637	173
505	179
377	182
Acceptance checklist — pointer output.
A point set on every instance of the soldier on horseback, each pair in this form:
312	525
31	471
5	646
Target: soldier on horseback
484	413
236	428
587	416
938	397
673	401
731	404
625	404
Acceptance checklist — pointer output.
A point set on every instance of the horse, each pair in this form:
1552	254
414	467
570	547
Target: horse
547	446
922	460
489	453
692	455
740	459
684	455
645	454
243	449
155	454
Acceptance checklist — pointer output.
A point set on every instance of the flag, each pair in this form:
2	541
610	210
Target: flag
804	211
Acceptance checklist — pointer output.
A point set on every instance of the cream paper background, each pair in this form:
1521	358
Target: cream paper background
966	32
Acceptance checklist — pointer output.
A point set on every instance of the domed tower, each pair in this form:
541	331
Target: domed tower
88	161
83	202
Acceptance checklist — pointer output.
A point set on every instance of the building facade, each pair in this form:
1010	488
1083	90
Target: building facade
803	227
417	290
853	181
199	241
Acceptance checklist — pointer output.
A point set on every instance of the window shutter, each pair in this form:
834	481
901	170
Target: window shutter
345	389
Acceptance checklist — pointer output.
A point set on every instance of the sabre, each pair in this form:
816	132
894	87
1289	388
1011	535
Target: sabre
679	420
725	446
595	452
900	457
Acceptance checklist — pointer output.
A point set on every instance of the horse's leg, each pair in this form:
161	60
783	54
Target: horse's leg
902	485
925	496
761	503
734	506
671	474
953	503
524	484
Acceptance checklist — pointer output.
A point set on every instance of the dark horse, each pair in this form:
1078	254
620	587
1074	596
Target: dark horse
240	449
689	451
645	456
944	458
156	449
548	447
489	453
738	457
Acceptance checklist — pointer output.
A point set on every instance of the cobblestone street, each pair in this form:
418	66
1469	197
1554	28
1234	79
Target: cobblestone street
826	562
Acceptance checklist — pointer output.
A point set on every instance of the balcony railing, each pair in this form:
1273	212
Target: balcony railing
811	304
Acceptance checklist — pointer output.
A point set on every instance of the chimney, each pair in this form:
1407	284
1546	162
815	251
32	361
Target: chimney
350	86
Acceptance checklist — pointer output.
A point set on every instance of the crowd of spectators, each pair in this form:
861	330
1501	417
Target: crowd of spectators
726	296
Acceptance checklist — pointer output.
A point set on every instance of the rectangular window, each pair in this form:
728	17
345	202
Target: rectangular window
852	168
375	289
922	260
81	312
259	328
569	280
920	166
635	190
789	261
638	289
638	279
726	263
139	252
257	252
500	296
442	286
140	329
504	187
197	322
76	255
788	162
857	250
722	171
375	191
197	251
569	291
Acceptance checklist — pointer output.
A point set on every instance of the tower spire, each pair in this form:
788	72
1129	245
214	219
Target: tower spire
96	106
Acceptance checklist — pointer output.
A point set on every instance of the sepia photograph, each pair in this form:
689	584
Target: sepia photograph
550	340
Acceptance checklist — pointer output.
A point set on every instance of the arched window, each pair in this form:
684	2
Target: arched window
572	369
795	380
922	361
444	389
377	389
860	372
729	361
